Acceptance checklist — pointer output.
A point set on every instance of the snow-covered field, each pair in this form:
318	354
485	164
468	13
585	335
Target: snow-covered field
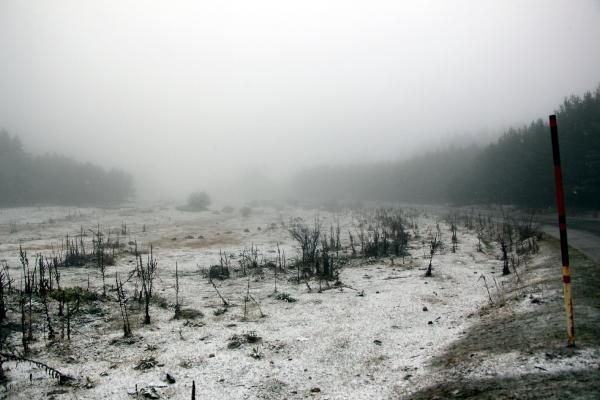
379	335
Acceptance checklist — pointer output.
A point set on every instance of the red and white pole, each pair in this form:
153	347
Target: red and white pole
562	223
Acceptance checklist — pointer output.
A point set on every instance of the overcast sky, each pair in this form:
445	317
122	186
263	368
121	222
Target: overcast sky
203	90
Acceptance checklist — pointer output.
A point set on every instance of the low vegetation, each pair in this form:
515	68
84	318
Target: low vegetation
140	294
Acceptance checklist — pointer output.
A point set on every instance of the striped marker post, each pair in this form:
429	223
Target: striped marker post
562	223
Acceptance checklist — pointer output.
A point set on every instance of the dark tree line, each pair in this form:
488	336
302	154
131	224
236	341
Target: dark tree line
516	169
26	179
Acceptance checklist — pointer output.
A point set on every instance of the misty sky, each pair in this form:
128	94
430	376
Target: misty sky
205	91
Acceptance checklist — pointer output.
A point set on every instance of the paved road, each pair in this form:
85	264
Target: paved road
583	234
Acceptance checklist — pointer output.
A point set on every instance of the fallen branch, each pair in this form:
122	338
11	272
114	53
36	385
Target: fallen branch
307	285
341	286
395	277
258	305
225	303
53	372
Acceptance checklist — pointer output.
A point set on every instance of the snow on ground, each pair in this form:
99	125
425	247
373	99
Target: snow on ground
375	337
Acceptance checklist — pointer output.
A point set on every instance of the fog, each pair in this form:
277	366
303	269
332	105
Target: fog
227	96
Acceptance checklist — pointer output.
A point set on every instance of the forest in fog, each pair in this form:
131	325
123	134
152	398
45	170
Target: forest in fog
26	179
516	169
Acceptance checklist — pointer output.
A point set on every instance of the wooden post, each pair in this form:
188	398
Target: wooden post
562	223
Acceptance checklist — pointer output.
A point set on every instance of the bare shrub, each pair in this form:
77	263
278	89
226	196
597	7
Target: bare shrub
122	300
198	201
434	244
147	273
5	286
307	237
